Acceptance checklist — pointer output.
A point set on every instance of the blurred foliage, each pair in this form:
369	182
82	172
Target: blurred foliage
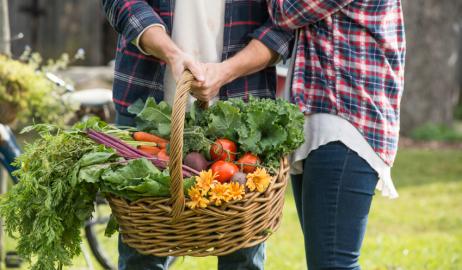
437	132
25	87
458	111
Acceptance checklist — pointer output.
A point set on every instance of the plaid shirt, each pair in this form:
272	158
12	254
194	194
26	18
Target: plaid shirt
139	76
349	62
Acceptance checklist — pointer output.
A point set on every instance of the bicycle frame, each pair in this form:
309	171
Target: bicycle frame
9	150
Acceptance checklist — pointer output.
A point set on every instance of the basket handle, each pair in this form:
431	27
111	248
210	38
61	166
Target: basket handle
176	142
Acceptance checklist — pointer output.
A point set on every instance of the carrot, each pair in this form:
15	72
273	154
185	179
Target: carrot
163	155
147	137
149	149
162	145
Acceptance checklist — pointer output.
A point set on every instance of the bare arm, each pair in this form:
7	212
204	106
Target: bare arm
132	18
157	43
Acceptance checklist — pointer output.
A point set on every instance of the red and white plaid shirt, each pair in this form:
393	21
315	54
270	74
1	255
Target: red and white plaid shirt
349	62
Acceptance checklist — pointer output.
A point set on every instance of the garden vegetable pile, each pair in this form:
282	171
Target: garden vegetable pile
230	148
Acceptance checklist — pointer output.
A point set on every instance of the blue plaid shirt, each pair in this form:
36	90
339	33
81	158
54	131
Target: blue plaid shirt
139	76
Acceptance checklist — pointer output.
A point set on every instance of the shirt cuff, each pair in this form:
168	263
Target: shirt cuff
275	38
136	42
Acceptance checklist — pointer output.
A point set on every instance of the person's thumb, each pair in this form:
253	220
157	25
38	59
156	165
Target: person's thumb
197	69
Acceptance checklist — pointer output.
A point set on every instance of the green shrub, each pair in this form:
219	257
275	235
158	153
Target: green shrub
458	111
25	87
437	132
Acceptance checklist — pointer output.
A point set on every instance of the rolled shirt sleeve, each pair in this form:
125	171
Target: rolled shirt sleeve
275	38
130	17
293	14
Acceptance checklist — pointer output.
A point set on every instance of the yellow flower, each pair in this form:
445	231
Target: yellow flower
204	181
197	200
258	180
236	190
220	193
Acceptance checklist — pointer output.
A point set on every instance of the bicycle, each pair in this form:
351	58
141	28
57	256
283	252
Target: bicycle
91	102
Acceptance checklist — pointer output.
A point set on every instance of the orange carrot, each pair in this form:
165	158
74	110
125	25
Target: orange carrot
163	155
147	137
149	149
162	145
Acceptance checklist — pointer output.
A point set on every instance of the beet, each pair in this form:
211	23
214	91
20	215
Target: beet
240	178
196	161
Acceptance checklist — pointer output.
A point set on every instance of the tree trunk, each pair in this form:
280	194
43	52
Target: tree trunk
4	49
5	42
432	87
62	26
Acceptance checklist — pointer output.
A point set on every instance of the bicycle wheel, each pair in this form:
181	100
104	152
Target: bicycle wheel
94	232
99	244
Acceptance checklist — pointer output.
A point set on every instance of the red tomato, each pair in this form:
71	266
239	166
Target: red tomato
225	170
223	149
248	162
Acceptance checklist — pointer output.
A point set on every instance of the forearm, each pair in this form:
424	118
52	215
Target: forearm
253	58
156	42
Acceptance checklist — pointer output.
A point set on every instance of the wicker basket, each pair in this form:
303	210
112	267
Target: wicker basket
163	227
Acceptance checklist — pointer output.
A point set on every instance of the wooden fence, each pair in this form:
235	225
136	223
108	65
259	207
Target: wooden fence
56	26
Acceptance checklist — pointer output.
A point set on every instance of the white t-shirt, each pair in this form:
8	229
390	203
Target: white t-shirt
198	28
322	128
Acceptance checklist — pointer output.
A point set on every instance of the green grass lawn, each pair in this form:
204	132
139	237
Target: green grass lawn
420	230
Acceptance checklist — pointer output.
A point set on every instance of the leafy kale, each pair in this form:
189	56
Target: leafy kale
271	129
223	120
266	127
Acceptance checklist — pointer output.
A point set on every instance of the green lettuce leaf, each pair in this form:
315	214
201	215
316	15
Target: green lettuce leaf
138	178
154	118
134	170
96	158
137	107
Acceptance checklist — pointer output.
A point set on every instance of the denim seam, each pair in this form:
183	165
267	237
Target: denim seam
336	203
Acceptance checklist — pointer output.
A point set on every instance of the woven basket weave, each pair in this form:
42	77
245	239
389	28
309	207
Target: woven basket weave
164	227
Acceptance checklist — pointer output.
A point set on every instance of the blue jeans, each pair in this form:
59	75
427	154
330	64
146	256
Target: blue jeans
333	198
252	258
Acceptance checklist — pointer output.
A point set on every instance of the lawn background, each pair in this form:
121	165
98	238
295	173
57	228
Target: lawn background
421	230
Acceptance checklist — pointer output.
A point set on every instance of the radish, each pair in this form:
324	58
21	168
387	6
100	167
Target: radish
196	161
240	178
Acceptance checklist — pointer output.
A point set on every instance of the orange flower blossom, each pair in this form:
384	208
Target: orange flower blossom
258	180
197	200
